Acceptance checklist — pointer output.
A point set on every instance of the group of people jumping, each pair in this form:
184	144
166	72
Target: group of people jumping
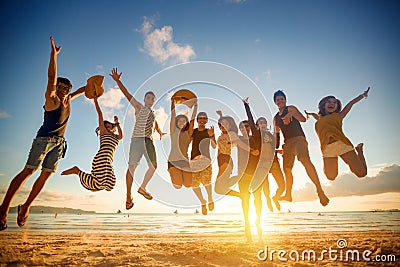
257	149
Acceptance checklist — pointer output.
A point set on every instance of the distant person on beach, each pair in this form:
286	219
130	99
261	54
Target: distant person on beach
334	142
181	130
49	145
102	175
142	139
200	160
295	144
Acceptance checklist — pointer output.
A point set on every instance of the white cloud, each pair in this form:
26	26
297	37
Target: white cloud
267	74
161	118
110	102
347	184
4	114
235	1
159	44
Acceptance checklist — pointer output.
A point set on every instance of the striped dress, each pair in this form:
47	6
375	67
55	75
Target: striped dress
102	175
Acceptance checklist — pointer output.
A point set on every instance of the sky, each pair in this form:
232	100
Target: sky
309	49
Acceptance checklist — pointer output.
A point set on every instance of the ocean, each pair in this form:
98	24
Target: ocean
212	223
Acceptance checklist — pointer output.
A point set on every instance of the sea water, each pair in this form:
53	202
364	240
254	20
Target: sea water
147	223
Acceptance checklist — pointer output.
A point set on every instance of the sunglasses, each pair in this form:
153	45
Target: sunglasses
201	117
64	88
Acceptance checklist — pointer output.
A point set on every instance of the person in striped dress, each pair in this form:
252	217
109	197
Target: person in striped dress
102	175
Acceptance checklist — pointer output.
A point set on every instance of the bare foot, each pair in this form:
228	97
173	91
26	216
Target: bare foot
73	170
129	203
22	215
211	205
204	209
323	199
276	202
287	198
3	221
269	204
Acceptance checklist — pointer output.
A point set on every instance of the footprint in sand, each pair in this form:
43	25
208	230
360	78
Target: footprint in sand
97	253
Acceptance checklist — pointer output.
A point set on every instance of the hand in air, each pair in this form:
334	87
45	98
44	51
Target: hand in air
211	131
114	74
365	94
55	49
116	119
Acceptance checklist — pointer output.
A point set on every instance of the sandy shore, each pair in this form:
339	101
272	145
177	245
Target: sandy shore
103	249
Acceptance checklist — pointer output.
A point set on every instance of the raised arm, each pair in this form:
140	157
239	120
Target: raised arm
172	125
102	128
348	107
250	118
120	134
52	70
194	113
117	78
211	135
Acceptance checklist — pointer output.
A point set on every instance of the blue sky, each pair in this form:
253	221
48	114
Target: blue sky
307	48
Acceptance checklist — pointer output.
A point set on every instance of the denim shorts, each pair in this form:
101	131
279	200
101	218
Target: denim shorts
142	146
45	151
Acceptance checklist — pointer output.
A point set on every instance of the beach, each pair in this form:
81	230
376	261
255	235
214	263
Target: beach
116	249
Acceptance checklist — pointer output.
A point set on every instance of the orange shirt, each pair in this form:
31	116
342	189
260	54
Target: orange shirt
330	126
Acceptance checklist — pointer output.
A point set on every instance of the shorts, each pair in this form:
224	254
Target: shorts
336	149
46	151
142	146
179	164
203	176
295	146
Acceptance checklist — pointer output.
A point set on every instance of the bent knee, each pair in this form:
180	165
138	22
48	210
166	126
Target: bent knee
28	171
361	173
331	175
177	186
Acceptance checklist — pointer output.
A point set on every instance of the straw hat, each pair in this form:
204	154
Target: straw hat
94	86
182	96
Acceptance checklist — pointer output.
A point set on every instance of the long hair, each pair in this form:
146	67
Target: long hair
323	101
181	116
105	122
232	124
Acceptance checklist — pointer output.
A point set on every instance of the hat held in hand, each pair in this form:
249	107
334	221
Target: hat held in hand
184	96
94	86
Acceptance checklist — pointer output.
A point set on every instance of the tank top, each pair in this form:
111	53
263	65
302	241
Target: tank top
293	129
201	143
330	126
55	122
179	145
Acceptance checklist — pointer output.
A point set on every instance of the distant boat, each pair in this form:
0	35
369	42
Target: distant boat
118	211
176	211
196	212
